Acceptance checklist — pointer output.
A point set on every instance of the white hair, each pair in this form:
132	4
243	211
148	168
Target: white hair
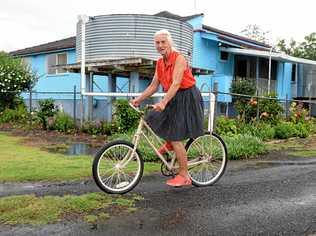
168	36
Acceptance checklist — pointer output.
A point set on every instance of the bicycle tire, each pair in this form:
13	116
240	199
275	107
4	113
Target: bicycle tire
211	146
112	153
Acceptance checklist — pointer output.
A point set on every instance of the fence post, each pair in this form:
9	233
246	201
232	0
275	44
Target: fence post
74	104
215	103
30	107
286	106
257	116
310	98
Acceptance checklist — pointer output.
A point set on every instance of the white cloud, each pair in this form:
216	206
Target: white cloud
28	23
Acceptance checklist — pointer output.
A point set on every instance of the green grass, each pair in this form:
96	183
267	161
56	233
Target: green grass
19	163
92	207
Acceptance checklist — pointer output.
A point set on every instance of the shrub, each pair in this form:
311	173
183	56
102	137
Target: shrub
270	110
15	77
244	107
63	122
225	126
90	127
108	128
285	130
126	118
19	115
262	130
298	113
302	130
244	146
99	127
46	109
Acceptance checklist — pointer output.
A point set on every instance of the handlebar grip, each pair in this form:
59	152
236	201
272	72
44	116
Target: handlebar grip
135	108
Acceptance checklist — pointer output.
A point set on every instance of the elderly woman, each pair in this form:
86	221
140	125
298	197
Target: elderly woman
179	115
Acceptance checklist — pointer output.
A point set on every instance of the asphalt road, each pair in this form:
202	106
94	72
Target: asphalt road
266	198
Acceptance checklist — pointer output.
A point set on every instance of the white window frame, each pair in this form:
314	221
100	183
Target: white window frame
56	55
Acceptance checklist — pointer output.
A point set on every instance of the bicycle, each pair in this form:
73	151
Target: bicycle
118	166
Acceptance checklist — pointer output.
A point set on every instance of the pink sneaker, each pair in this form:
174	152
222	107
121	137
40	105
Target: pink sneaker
179	181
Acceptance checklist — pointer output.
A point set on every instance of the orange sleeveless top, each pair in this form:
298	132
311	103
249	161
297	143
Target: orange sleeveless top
165	71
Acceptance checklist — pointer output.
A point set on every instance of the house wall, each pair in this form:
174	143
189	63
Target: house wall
53	86
284	75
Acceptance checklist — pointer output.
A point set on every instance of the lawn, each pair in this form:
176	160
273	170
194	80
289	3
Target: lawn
91	207
20	163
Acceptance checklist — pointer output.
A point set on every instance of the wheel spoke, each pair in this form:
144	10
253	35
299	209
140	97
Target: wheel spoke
212	150
112	174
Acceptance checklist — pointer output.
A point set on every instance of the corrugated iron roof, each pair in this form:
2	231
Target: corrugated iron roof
71	41
176	17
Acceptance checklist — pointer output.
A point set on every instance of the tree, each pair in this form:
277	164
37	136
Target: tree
15	77
256	33
306	49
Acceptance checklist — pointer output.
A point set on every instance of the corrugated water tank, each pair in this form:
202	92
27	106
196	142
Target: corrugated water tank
128	35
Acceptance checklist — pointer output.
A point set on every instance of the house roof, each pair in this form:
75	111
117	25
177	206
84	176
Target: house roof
167	14
47	47
222	34
70	42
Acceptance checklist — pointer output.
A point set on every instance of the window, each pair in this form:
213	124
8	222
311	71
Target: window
224	56
56	59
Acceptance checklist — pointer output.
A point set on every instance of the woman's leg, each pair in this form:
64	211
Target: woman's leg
181	155
165	147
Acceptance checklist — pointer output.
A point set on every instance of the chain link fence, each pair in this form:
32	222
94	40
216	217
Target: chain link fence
74	104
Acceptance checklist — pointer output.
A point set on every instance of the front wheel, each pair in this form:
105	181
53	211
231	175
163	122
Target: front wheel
207	159
117	168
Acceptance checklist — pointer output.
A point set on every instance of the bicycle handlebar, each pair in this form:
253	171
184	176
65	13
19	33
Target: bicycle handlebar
137	109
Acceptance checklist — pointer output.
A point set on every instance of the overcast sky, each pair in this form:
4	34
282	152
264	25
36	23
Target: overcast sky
26	23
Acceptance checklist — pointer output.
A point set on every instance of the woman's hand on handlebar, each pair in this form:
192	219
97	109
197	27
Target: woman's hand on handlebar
135	102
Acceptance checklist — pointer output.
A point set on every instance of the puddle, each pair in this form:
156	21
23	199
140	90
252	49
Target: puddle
17	187
73	149
80	149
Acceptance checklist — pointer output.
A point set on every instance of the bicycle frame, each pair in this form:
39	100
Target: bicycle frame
139	132
136	138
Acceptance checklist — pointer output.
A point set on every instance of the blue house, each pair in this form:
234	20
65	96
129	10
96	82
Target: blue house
120	58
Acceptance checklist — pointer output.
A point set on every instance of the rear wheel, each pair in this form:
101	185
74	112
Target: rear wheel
116	168
210	155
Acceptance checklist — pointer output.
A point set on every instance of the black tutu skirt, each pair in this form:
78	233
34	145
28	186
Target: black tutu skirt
182	117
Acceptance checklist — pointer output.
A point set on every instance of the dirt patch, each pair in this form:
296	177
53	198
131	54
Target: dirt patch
44	139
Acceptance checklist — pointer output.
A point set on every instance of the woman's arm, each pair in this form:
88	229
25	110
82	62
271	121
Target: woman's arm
177	76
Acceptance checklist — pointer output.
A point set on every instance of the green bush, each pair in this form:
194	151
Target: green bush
244	146
19	115
225	126
99	127
243	106
126	118
284	130
90	127
46	110
108	128
262	130
270	109
302	130
15	77
63	122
